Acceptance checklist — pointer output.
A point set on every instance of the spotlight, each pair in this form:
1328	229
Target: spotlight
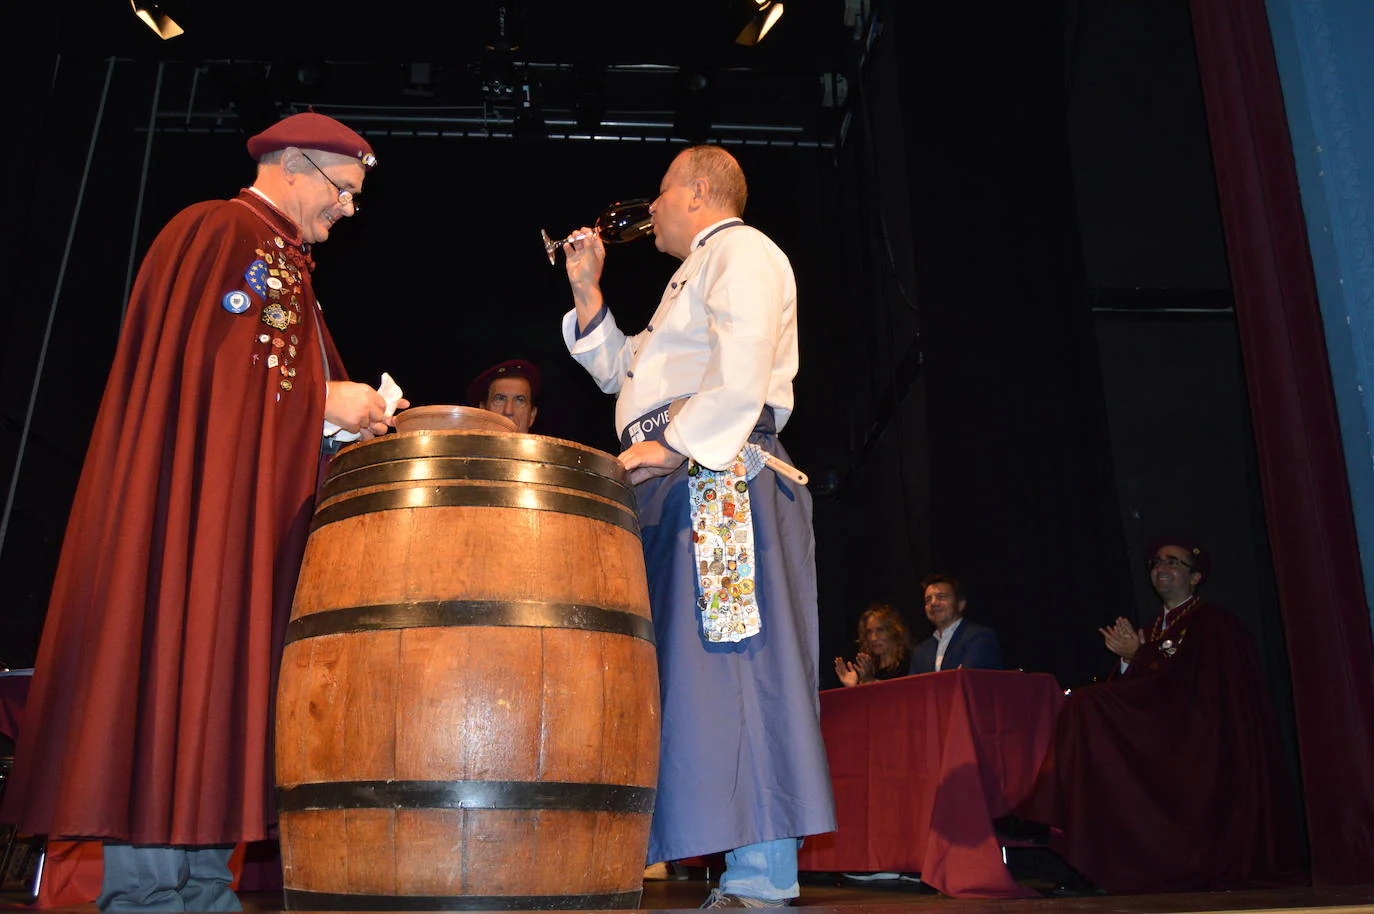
759	17
156	18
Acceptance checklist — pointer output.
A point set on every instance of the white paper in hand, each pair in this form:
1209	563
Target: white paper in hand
391	393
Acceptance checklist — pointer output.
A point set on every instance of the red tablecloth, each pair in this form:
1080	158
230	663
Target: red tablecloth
922	765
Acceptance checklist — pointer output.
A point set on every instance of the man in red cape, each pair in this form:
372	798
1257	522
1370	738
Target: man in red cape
1169	776
148	720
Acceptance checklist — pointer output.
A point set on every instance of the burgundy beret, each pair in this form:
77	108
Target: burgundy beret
312	131
515	368
1201	558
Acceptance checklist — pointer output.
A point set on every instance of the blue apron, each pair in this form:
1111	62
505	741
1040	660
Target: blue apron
741	759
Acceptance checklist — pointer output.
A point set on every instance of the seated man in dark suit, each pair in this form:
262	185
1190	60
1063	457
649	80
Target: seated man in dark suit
957	642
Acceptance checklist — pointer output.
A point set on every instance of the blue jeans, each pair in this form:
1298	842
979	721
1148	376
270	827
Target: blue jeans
167	879
767	870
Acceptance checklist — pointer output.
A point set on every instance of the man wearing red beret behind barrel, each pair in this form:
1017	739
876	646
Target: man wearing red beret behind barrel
511	389
148	721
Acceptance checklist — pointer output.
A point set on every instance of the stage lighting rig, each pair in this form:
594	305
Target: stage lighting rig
156	17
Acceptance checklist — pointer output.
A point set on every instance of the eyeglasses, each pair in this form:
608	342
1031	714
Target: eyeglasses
1168	561
346	197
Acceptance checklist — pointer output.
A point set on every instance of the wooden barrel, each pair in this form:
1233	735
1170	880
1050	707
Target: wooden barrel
467	715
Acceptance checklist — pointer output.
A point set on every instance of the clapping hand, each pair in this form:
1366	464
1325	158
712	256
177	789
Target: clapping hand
856	673
1122	638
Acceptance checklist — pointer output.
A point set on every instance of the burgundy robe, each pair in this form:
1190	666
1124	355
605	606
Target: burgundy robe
1170	777
151	704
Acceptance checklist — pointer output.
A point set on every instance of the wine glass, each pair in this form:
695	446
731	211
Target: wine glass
621	222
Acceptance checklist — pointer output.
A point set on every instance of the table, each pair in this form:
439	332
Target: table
923	764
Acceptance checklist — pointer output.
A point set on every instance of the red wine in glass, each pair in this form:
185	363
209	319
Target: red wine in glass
621	222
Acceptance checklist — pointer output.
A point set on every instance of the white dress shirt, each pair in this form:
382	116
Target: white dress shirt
943	638
725	334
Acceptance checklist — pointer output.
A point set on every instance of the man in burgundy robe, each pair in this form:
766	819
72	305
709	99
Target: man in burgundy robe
1169	775
148	720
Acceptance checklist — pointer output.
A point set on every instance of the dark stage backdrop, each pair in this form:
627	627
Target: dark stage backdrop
1022	504
872	478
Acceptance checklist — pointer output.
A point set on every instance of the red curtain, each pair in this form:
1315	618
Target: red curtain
1302	467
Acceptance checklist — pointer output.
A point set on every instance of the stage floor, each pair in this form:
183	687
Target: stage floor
819	896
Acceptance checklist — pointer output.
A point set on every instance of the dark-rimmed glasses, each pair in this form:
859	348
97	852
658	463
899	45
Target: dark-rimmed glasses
1168	561
346	196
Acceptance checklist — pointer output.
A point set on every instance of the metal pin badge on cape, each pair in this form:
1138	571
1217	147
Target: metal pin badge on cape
256	276
235	302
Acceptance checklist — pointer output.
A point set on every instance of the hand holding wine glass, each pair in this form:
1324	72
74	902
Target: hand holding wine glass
621	222
584	258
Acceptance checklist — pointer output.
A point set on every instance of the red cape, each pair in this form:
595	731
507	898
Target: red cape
1170	777
149	715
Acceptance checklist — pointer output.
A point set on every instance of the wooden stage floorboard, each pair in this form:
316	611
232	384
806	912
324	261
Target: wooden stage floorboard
821	897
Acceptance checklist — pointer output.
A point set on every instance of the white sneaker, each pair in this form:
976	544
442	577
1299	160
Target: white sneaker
719	899
871	877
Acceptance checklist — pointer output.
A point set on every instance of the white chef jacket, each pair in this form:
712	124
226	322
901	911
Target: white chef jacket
725	334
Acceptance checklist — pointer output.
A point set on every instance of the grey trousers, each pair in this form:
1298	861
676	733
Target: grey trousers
161	878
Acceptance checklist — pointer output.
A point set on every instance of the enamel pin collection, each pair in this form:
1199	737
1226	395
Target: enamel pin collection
277	279
723	537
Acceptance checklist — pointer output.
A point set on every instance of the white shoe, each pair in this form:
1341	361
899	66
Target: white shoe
719	899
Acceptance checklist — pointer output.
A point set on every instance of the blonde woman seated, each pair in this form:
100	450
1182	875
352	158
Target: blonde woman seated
884	648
